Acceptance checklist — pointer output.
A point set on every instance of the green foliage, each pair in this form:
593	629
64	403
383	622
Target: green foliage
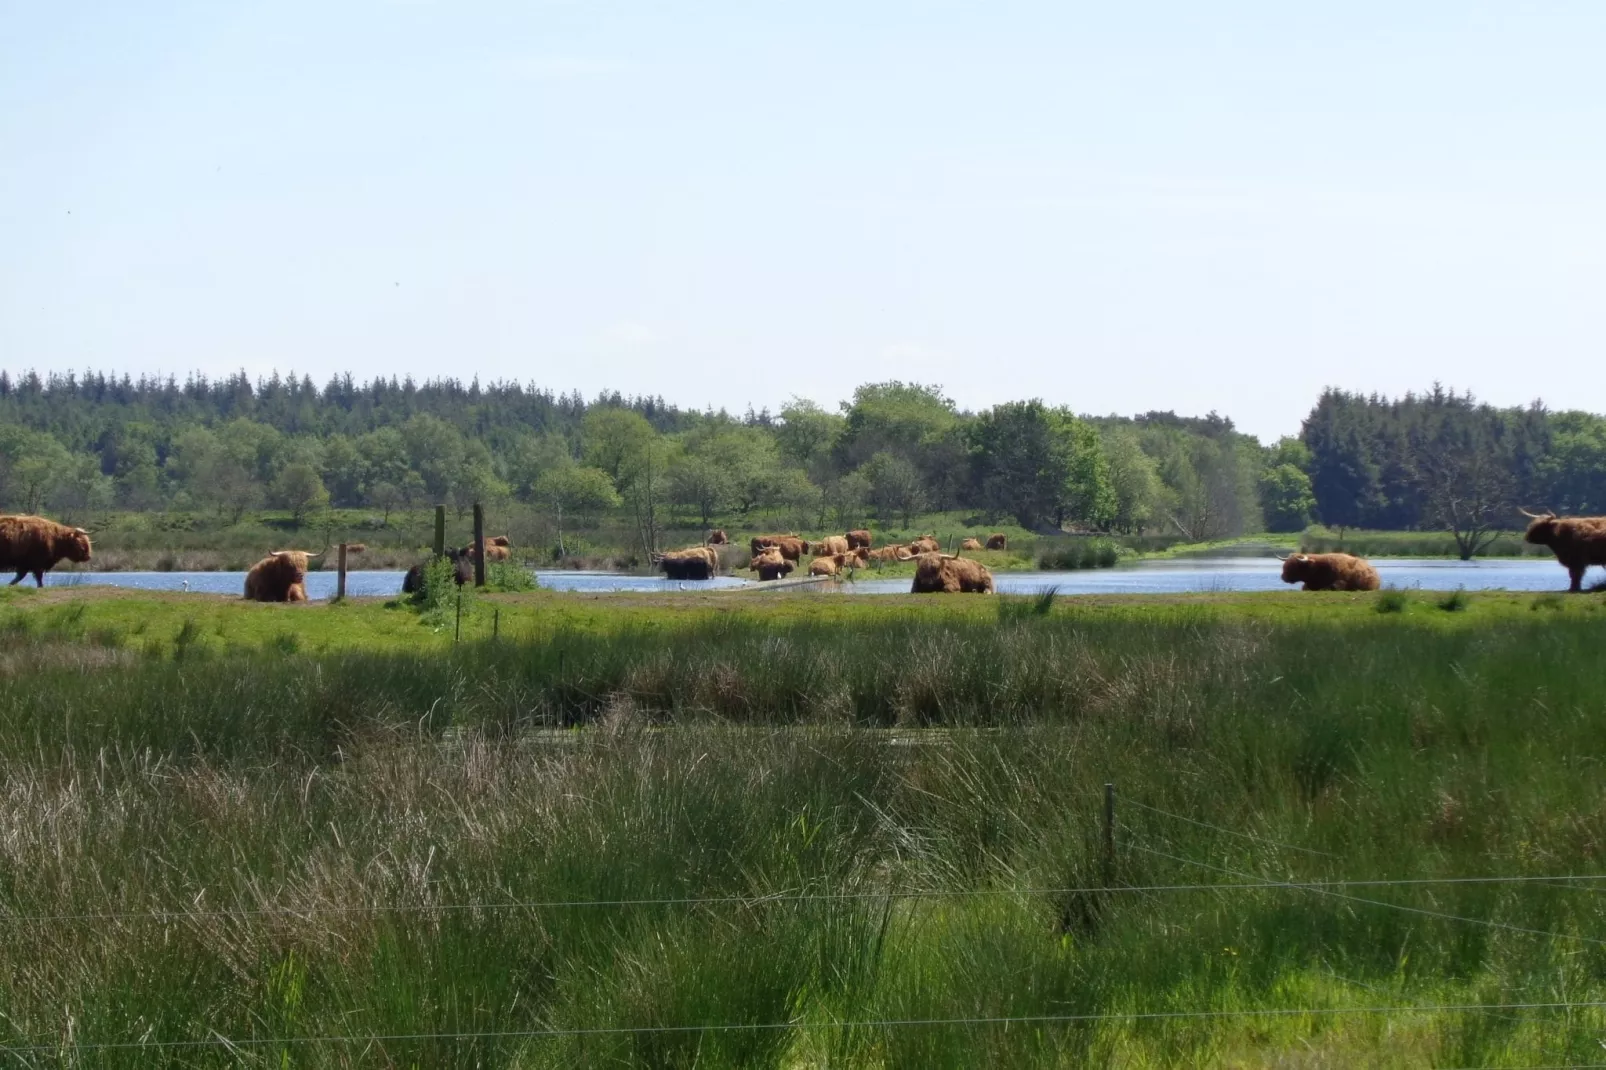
1456	601
506	577
1286	498
895	487
1068	555
82	447
300	490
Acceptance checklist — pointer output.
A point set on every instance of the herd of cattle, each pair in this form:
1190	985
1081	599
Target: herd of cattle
33	545
776	556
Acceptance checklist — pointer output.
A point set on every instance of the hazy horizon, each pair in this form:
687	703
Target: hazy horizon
1119	210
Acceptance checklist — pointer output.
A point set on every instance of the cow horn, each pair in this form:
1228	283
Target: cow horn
1536	516
1282	557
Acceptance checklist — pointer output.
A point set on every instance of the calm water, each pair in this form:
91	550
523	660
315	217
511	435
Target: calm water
1148	577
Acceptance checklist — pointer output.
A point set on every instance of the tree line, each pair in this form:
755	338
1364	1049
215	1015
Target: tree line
896	450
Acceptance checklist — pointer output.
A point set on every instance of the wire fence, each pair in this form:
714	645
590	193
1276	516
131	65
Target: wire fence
753	1027
1576	881
1242	882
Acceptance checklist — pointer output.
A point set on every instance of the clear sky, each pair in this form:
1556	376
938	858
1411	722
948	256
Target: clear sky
1114	206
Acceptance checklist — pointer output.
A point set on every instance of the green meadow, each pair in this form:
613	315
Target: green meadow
790	830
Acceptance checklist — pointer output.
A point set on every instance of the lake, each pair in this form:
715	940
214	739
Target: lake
1172	576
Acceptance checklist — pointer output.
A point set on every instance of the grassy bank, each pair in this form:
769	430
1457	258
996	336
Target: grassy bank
813	815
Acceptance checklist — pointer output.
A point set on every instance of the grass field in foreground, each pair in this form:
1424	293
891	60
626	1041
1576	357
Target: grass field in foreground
810	813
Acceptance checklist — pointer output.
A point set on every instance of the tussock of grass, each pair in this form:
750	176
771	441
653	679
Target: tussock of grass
1393	600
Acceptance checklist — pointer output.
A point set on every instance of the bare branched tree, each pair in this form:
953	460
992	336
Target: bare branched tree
1464	473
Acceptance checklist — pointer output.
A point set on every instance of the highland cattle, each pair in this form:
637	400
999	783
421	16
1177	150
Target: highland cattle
1330	572
32	544
1577	542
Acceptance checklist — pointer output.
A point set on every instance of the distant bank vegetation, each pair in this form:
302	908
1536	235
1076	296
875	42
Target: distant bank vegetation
620	476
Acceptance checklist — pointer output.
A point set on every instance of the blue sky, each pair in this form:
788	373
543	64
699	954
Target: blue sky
1116	207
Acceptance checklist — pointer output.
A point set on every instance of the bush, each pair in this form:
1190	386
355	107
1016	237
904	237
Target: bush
1079	554
1455	601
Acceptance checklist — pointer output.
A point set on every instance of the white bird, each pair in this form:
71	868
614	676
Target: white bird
186	585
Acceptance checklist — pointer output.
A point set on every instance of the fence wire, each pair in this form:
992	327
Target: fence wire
736	1027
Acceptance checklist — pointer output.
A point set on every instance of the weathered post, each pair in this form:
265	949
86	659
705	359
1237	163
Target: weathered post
457	633
496	624
440	531
1109	834
340	574
479	545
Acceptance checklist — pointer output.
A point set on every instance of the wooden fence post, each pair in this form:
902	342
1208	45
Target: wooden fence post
440	531
479	545
340	575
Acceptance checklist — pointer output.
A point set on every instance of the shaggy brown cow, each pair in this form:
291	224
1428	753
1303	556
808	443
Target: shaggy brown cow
1330	572
998	541
1577	542
925	544
717	537
791	547
970	544
829	546
826	566
694	563
496	549
279	577
941	574
34	544
770	564
462	572
858	538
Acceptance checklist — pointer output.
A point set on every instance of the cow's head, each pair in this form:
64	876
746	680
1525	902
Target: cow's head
76	546
1541	527
1295	568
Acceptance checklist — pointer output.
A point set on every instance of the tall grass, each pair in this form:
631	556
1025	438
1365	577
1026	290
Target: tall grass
364	845
1064	555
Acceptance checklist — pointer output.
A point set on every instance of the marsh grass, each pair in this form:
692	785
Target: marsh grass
362	843
1393	600
1454	602
1066	555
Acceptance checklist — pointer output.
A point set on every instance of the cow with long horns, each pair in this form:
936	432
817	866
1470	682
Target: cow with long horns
1577	541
